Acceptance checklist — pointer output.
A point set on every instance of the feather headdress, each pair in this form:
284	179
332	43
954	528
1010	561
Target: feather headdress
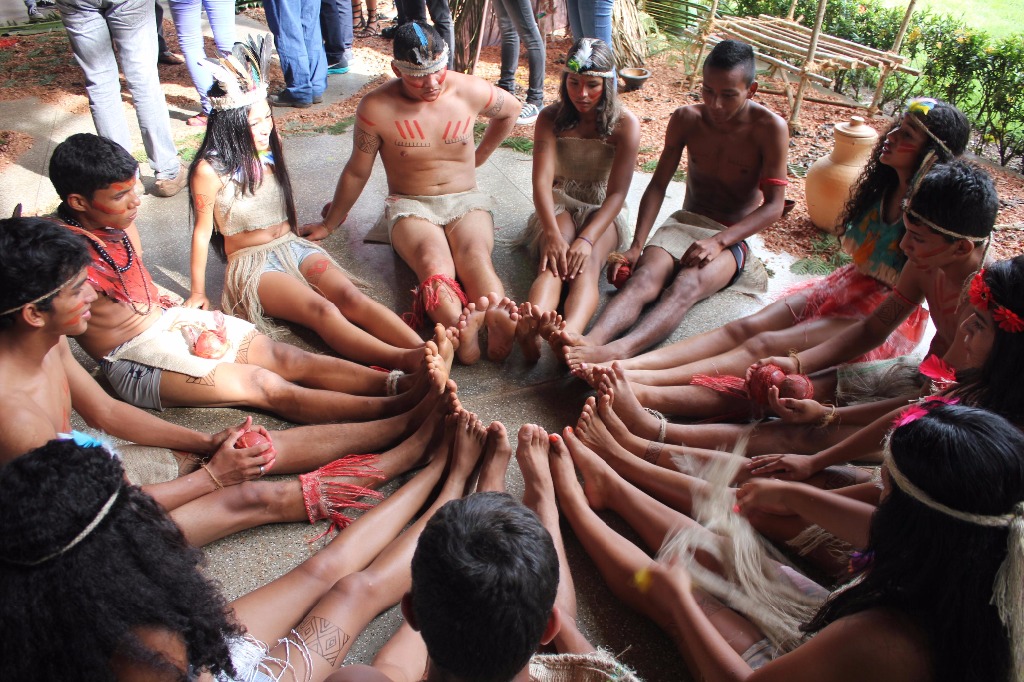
243	74
581	61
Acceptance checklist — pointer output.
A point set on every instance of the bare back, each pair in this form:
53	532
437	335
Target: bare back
726	164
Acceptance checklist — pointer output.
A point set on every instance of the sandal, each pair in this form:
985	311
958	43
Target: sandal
372	27
358	22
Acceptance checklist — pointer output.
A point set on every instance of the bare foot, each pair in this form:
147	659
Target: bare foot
563	474
470	435
409	360
497	453
527	332
437	368
583	352
502	318
551	326
532	456
617	429
625	404
469	325
592	432
443	341
596	473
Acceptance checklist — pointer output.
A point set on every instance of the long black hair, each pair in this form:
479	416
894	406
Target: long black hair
229	148
944	120
937	570
79	610
608	107
997	384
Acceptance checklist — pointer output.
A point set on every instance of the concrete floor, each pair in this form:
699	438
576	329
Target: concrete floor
513	393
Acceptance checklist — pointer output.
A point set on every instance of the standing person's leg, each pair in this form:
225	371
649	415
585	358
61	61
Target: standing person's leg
330	29
188	22
509	46
441	17
521	14
134	34
161	42
89	36
221	14
314	41
413	10
572	9
599	22
347	33
284	17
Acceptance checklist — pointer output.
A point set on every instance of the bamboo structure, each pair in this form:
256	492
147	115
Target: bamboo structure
792	49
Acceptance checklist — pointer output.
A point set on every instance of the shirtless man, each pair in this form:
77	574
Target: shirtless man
421	124
136	332
44	296
735	187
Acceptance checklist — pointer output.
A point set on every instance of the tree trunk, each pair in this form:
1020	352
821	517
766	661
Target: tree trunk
468	16
628	35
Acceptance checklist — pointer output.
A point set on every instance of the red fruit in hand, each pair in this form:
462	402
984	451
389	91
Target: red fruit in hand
251	439
621	275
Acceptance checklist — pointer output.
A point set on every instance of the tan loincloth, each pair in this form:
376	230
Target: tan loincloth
439	210
580	212
597	666
145	465
164	346
683	228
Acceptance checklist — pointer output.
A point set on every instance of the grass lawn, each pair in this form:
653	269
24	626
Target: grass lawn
999	18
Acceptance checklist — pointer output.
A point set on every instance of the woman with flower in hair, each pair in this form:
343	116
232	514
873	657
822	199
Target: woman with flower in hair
242	200
585	147
927	132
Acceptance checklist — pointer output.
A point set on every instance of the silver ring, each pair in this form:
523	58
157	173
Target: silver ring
261	470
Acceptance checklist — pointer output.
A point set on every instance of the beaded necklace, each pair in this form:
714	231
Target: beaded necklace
109	260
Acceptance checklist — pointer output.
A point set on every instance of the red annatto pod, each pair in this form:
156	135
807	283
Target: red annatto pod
622	275
762	379
250	439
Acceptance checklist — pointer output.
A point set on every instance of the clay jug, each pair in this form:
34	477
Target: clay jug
830	178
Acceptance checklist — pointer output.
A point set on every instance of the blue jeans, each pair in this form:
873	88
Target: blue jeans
336	27
188	21
296	28
440	16
515	19
94	27
591	19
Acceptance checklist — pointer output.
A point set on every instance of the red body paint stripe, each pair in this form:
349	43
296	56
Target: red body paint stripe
408	127
400	131
419	130
446	129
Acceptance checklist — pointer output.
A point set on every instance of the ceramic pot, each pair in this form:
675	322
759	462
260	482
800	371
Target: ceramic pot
830	178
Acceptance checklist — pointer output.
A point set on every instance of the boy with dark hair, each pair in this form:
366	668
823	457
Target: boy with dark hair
735	187
421	124
45	296
491	584
136	331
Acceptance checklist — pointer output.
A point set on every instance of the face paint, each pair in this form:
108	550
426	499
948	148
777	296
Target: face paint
111	208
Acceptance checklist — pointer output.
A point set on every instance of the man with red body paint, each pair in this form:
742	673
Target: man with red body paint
421	124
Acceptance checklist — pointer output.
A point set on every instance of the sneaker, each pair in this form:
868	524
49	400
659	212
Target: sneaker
529	114
285	99
338	67
168	187
35	16
198	121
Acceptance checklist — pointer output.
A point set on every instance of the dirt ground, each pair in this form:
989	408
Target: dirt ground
42	65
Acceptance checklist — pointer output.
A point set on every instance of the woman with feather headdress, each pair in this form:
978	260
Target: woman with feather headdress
242	200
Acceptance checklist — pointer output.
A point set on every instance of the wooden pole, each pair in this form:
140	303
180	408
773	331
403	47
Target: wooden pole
480	36
794	116
792	9
704	33
897	44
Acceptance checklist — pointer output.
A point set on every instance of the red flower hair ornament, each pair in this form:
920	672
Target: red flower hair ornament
980	295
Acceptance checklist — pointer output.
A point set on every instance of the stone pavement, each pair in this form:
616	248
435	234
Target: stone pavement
513	393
